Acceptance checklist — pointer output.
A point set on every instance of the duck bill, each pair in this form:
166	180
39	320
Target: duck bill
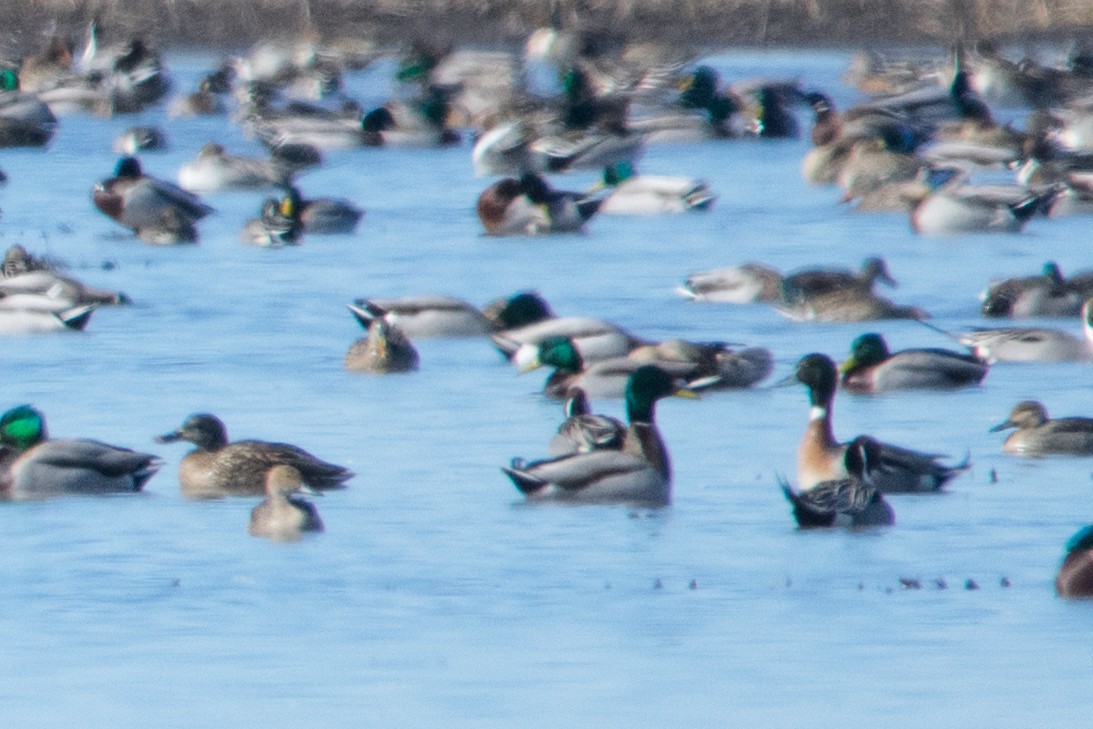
849	364
687	393
169	437
1001	426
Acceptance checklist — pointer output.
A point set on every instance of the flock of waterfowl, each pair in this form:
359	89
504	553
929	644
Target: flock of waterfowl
919	146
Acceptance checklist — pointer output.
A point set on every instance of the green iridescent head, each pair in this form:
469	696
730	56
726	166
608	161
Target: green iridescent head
22	427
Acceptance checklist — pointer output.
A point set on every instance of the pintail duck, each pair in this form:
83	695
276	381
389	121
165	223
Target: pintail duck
526	318
214	169
822	458
1036	434
25	120
1049	294
700	366
33	465
872	368
431	316
853	500
158	211
283	516
631	194
639	473
217	467
1075	578
744	284
385	349
808	283
1024	344
530	206
514	149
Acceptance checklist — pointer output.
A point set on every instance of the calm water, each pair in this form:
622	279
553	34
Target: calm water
436	597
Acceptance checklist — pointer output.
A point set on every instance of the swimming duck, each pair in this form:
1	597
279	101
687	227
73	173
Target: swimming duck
822	458
158	211
385	349
514	148
526	318
431	316
807	283
530	206
1075	578
324	215
63	289
217	467
584	431
852	501
214	169
283	516
630	194
140	139
1049	294
744	284
202	102
700	366
25	120
956	208
1036	434
871	367
848	305
18	260
43	315
33	465
276	226
1024	344
640	473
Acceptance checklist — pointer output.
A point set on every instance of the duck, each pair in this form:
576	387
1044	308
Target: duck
872	368
214	169
848	305
638	474
514	148
158	211
530	206
1075	577
822	458
138	139
808	283
25	120
627	193
584	431
958	208
748	283
527	318
1048	294
42	315
429	316
421	123
18	260
283	516
218	467
1036	434
385	349
700	366
324	215
205	101
63	289
33	465
1024	344
276	226
852	501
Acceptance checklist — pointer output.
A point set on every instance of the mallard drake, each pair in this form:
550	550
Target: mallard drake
848	305
431	316
324	215
526	318
744	284
630	194
25	120
700	366
275	227
1075	578
852	501
530	206
217	467
584	431
1036	434
214	169
385	349
871	367
808	283
34	465
158	211
283	516
1024	344
640	473
822	458
1049	294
